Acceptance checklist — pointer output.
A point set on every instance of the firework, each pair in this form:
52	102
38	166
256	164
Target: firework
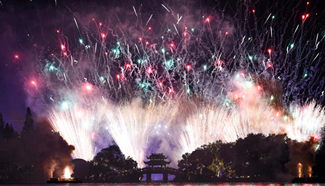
196	79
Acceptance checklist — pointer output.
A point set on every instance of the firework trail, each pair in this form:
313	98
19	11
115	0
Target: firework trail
252	112
184	77
74	119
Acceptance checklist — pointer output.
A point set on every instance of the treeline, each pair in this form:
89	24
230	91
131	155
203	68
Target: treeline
254	158
38	153
109	165
34	155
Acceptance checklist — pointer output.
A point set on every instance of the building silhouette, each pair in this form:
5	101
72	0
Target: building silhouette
156	169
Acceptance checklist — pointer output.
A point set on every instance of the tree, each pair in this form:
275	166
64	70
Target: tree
32	158
255	157
221	169
301	153
1	122
203	164
1	126
111	165
9	132
319	168
256	152
29	123
6	131
81	169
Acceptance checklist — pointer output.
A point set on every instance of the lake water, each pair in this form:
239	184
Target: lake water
193	184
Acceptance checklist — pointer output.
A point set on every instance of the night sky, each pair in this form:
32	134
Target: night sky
28	27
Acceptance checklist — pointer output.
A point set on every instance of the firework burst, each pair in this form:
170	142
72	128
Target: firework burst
190	80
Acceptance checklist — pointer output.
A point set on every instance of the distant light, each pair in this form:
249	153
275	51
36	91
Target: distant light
259	87
285	118
16	56
103	35
188	67
139	61
218	62
62	47
101	78
160	84
272	98
269	65
51	68
304	17
127	66
88	87
65	105
172	45
149	70
205	67
277	114
118	76
207	20
33	83
250	57
169	63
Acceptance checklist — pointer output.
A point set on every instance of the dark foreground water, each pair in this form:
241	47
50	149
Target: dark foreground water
190	184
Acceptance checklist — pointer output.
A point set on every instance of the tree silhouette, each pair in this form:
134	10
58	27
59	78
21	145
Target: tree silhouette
204	164
81	169
6	131
255	157
111	165
30	158
319	168
29	122
255	152
1	126
1	122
